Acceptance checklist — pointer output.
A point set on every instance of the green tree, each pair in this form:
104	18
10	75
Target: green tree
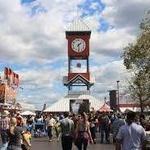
137	59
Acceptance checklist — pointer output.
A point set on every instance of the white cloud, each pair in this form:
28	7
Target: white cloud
39	85
106	77
125	14
110	43
41	36
33	34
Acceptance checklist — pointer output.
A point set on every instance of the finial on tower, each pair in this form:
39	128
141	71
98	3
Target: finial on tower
78	24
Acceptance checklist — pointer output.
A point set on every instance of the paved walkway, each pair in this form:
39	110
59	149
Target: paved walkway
43	144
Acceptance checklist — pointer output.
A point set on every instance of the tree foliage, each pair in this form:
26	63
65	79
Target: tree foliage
137	59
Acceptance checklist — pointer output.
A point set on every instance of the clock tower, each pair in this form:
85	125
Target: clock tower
78	79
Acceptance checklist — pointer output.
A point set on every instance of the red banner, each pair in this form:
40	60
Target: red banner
11	77
6	73
17	79
9	71
14	78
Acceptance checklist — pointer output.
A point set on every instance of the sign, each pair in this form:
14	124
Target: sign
10	95
79	106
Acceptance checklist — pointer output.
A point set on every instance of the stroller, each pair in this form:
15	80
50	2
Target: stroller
39	130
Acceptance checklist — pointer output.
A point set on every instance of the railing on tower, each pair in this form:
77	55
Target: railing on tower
79	92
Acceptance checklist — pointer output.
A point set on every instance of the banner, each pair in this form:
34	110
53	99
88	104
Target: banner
10	95
11	77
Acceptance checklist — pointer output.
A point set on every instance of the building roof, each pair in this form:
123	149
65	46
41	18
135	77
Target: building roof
78	25
63	104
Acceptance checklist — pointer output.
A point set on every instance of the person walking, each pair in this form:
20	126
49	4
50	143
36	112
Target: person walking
50	125
105	128
67	130
131	136
16	136
117	123
4	126
83	134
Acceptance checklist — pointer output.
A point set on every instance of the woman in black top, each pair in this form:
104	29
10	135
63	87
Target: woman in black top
83	134
16	135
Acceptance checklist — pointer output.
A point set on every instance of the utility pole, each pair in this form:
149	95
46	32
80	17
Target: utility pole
118	95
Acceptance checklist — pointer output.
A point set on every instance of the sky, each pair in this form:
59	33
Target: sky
33	44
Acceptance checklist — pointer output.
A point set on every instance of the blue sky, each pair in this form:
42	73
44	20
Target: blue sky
33	44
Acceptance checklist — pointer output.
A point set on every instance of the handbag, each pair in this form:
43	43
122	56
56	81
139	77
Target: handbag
24	147
86	135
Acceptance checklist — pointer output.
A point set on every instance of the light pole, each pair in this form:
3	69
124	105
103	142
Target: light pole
118	93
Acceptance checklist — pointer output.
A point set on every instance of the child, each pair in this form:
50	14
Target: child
27	137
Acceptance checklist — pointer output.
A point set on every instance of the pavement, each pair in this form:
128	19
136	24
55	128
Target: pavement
42	143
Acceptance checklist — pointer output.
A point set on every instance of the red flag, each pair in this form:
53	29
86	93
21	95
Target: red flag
14	78
17	81
9	71
6	73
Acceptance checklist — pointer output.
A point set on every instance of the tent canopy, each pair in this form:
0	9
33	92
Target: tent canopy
26	113
63	105
105	108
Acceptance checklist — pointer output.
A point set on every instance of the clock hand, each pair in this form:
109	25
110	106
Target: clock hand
79	44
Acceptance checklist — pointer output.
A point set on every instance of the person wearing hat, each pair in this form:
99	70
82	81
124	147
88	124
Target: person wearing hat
4	126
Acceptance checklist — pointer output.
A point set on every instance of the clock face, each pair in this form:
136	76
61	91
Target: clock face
78	45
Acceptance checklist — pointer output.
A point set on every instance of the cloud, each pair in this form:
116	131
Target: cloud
40	36
125	14
38	86
111	42
106	76
32	41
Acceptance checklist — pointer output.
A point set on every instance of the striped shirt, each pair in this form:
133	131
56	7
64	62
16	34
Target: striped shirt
4	123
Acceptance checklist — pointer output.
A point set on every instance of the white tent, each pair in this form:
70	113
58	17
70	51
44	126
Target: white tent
63	105
125	109
26	113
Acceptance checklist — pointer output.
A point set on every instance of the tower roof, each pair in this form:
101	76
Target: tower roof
78	25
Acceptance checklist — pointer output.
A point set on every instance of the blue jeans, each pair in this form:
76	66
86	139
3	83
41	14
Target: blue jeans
4	137
104	131
4	146
66	142
13	147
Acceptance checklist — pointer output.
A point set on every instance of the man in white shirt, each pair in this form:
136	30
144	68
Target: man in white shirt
131	136
50	124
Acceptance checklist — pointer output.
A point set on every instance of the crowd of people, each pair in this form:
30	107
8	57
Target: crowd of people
126	131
